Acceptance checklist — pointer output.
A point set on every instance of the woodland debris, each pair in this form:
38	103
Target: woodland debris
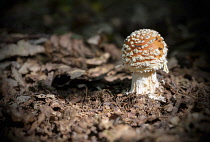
22	48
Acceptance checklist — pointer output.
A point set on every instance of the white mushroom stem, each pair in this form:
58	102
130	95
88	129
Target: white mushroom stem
144	83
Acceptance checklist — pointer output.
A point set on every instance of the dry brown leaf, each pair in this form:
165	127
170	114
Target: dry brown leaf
121	76
115	53
6	64
18	77
22	48
16	113
24	68
29	65
73	47
11	82
98	60
174	120
54	39
56	104
97	71
78	62
22	99
7	88
76	73
94	40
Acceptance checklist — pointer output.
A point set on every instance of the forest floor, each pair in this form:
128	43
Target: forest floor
65	88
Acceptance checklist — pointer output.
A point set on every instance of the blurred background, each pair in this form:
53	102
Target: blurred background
183	24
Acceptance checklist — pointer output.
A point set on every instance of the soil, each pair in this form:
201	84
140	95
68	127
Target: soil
66	88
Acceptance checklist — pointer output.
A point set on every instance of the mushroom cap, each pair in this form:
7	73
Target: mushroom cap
144	50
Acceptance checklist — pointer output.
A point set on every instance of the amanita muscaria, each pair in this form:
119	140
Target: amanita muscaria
144	52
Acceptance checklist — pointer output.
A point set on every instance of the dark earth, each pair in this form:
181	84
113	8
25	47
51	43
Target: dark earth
61	82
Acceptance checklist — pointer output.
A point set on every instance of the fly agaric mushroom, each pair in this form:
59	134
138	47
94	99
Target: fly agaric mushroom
144	52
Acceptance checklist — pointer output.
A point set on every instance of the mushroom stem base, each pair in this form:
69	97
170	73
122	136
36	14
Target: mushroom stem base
144	83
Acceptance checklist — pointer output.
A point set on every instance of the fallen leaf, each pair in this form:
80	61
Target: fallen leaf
11	82
120	76
94	40
7	88
34	67
97	71
4	65
22	48
98	60
18	77
175	120
73	47
56	105
29	65
22	99
76	73
16	113
24	68
115	53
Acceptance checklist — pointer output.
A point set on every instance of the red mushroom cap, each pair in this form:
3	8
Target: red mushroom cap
144	51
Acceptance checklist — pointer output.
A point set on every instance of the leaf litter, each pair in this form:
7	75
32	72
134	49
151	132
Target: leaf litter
67	89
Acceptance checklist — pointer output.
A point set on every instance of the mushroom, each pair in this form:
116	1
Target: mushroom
144	52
